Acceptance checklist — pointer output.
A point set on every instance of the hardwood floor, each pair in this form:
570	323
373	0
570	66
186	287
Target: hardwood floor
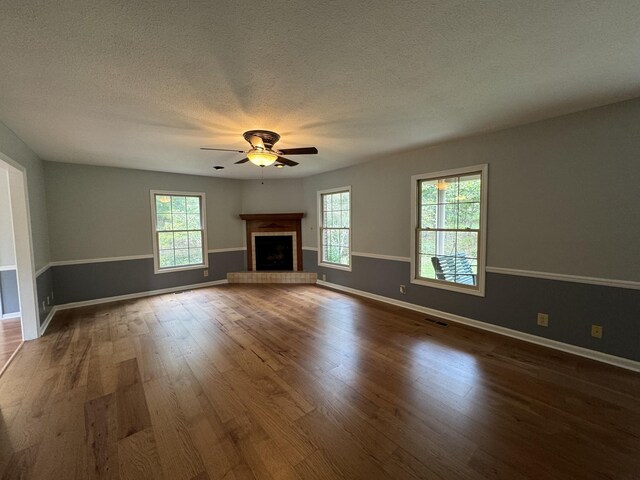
296	381
10	339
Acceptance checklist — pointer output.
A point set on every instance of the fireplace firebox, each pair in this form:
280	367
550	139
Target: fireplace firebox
274	252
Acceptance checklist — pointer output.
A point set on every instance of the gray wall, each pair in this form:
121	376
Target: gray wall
563	194
110	279
44	289
9	292
274	196
16	150
99	212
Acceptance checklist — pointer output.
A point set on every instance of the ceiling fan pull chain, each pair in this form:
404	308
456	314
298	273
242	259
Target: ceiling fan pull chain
262	174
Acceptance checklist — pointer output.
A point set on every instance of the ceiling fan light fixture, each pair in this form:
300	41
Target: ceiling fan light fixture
262	158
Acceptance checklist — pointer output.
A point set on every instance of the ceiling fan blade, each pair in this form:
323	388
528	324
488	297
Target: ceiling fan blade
244	160
221	150
286	161
299	151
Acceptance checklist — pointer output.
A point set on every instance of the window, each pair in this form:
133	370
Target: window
449	235
334	216
179	236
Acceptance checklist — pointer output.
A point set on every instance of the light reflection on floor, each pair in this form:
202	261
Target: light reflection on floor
457	379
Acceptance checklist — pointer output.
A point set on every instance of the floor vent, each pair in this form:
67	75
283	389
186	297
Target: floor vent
440	323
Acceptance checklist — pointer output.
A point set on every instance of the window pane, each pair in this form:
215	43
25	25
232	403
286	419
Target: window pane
178	204
469	188
450	215
344	238
166	258
182	256
163	204
427	243
450	188
181	239
345	219
164	222
345	201
193	221
195	255
335	201
449	243
326	253
426	269
328	199
469	215
467	244
195	239
429	192
429	215
334	237
179	221
193	205
344	255
165	240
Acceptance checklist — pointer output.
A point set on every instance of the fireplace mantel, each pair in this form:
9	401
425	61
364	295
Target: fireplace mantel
270	223
271	216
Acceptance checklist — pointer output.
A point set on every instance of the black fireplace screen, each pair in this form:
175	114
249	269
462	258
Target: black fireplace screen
274	252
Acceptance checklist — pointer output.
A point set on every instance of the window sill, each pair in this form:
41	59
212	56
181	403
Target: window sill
200	266
477	291
346	268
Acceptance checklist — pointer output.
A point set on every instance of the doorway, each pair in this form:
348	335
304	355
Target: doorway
18	311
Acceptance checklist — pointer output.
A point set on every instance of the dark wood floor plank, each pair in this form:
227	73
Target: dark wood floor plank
131	403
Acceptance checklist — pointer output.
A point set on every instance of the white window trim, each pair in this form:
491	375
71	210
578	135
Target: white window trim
478	290
320	226
203	216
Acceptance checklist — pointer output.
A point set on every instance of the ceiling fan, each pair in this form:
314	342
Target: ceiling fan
262	152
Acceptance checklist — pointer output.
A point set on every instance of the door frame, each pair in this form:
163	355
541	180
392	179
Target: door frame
23	244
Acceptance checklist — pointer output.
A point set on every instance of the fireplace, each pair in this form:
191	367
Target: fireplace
274	252
274	241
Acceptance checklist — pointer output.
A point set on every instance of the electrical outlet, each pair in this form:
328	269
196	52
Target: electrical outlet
543	319
205	273
324	277
596	331
403	289
48	302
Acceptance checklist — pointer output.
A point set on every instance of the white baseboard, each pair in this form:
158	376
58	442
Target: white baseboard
47	320
527	337
149	293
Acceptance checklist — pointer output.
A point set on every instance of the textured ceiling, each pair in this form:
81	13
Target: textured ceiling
144	84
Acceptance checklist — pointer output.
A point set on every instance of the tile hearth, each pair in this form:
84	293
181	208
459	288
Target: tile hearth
271	277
